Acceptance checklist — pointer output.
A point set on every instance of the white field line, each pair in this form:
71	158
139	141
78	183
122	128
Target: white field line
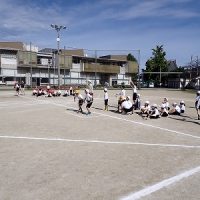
99	142
149	125
158	186
131	121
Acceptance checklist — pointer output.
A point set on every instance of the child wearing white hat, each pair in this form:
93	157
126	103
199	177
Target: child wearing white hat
106	99
163	111
89	100
154	113
175	109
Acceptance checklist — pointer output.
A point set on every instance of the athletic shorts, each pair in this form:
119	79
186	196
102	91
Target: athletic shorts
134	96
80	102
106	102
88	104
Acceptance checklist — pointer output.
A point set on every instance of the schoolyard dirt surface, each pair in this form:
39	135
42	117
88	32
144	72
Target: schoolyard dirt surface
50	152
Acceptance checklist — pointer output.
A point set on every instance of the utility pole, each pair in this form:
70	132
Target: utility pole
58	29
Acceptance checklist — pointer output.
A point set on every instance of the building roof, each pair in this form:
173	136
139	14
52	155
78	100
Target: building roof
12	45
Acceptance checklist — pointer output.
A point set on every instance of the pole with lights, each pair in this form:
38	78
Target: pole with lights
58	28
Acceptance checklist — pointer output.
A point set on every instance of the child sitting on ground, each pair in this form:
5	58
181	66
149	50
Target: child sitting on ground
182	106
144	111
175	109
163	111
154	113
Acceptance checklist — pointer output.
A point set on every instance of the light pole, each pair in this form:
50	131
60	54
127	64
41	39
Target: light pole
58	28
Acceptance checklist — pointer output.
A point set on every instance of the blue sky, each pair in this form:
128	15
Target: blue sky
107	24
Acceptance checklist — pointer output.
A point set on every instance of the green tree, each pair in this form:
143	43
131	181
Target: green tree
156	63
130	57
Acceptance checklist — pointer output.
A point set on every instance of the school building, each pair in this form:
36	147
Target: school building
19	61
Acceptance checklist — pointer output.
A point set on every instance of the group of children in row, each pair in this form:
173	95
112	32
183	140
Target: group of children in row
165	110
125	104
47	93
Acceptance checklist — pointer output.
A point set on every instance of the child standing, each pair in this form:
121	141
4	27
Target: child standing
80	101
106	99
89	101
137	103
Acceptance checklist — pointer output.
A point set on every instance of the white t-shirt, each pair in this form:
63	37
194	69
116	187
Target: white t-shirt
105	95
177	108
79	97
182	107
155	112
88	97
127	104
166	104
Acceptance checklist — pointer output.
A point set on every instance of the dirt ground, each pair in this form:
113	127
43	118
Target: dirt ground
50	152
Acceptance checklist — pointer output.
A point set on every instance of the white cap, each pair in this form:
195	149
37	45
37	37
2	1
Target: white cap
198	92
182	101
147	102
163	106
138	95
155	105
90	81
128	97
105	89
174	104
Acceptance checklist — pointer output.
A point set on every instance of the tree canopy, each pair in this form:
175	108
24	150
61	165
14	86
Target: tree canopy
156	63
130	57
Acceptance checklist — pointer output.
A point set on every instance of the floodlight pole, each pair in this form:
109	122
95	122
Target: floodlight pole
58	28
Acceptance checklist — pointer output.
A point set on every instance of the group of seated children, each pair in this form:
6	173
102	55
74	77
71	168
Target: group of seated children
47	93
165	110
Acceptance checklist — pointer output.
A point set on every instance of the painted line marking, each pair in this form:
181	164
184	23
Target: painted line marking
99	142
134	122
158	186
149	125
